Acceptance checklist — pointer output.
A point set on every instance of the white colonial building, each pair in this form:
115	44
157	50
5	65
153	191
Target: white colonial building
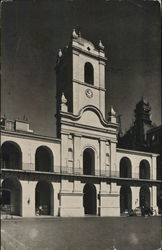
81	171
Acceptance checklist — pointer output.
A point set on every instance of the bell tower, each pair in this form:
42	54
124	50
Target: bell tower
80	72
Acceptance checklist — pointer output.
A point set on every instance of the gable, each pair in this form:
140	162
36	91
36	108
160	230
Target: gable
90	118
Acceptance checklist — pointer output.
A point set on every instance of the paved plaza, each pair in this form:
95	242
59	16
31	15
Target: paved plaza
89	233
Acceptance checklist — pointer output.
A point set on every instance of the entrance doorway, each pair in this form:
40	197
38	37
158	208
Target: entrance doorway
90	199
44	198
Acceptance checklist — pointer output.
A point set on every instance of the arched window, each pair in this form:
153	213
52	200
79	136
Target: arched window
88	73
125	168
144	171
89	161
43	159
11	155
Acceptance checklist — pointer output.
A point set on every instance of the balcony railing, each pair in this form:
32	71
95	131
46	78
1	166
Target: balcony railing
73	171
64	170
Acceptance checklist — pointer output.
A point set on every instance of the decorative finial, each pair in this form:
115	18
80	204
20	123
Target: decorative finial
112	112
64	106
101	46
112	115
63	99
74	34
60	53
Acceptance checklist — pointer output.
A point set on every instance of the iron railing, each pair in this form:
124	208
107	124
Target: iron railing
64	170
75	171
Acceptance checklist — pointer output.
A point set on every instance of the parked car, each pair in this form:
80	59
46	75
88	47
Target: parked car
137	211
146	211
142	211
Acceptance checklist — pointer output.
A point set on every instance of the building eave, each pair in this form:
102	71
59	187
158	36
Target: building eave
30	136
136	152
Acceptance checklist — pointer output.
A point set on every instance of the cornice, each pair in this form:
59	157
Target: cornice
88	135
57	177
136	152
29	136
89	85
73	117
88	53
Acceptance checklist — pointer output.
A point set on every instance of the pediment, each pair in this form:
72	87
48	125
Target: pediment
90	118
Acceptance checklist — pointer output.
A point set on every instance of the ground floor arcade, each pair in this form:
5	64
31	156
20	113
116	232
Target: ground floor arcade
69	197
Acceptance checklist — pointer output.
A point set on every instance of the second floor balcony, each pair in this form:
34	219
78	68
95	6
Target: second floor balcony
74	171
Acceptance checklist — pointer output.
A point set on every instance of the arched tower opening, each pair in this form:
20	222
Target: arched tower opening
88	73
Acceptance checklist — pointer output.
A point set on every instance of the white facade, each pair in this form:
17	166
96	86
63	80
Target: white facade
82	171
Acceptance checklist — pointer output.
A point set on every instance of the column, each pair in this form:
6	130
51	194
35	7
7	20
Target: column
28	198
135	197
153	198
153	168
56	190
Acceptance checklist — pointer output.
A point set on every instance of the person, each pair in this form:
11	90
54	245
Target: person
143	211
40	210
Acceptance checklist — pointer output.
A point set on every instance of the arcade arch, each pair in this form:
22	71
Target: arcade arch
90	199
44	159
12	196
125	168
144	196
144	170
125	199
11	155
44	198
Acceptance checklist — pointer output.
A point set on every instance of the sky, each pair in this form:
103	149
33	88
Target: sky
33	31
